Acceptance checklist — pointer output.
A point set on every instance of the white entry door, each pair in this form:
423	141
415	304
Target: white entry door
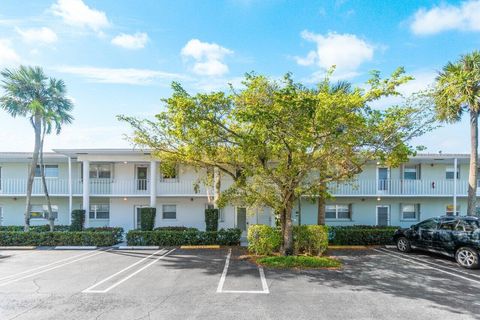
241	220
383	215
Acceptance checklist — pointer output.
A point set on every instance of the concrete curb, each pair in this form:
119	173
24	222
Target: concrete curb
215	246
75	247
18	248
137	247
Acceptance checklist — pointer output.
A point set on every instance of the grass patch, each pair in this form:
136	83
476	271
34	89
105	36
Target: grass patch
300	262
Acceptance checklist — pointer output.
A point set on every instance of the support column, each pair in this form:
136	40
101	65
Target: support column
86	191
153	183
70	191
455	164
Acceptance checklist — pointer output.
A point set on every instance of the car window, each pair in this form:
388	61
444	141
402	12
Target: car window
448	225
428	224
467	225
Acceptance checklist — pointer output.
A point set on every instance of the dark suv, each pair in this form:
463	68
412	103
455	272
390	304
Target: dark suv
454	236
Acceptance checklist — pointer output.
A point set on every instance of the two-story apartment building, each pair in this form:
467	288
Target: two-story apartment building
114	183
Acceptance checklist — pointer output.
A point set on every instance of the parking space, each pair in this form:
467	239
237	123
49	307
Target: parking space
217	284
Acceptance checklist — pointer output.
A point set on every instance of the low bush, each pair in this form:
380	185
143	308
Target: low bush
57	238
42	228
307	239
211	219
310	239
78	220
147	218
187	237
175	228
300	262
263	239
361	235
117	231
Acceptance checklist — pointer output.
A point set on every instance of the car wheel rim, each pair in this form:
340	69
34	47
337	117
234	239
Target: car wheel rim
466	258
402	245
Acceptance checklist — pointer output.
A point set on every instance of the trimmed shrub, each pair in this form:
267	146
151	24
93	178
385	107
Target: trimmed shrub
211	219
310	239
263	239
57	238
361	235
78	220
42	228
147	220
117	231
175	228
187	237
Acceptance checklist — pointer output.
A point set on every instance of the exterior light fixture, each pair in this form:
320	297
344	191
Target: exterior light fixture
124	199
378	199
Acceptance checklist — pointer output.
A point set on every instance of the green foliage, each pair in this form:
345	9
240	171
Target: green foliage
175	228
211	219
310	239
57	238
226	237
42	228
78	220
307	239
263	239
361	235
299	262
147	220
116	231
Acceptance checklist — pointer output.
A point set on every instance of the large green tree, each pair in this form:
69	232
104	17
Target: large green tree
271	137
457	91
29	93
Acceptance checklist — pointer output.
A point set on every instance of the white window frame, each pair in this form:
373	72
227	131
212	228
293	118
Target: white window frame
452	169
337	205
410	168
95	211
163	211
47	177
45	211
97	171
416	208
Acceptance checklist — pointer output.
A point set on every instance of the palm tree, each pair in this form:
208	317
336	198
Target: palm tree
29	93
457	90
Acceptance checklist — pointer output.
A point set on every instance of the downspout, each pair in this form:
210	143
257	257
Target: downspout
70	191
455	186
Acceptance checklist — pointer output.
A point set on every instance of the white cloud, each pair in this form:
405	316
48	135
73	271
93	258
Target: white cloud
131	41
42	35
77	13
208	57
345	51
464	17
119	75
8	56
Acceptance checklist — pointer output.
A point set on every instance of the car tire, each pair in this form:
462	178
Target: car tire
403	245
467	258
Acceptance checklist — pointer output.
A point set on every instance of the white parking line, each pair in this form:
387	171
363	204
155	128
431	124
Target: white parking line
264	290
89	289
83	256
457	269
428	266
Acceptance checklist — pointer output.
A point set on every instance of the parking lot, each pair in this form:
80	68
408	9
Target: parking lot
215	284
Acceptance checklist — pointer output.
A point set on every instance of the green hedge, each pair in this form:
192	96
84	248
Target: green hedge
226	237
175	228
78	220
42	228
307	239
117	231
211	219
58	238
361	235
147	218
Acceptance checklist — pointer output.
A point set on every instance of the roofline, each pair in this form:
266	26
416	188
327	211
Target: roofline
103	151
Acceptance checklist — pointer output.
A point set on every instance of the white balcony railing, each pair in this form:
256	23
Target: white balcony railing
114	187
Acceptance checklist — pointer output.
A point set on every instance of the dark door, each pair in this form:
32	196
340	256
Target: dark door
425	232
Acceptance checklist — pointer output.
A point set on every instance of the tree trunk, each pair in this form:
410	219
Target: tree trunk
51	218
321	205
472	177
36	123
216	186
287	230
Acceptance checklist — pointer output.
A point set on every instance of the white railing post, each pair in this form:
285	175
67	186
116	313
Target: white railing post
70	196
86	191
153	183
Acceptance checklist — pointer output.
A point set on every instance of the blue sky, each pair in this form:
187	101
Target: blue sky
119	56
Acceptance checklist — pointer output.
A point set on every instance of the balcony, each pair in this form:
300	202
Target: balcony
114	187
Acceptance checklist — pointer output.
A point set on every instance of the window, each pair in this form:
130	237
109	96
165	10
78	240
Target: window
99	211
41	211
169	211
338	211
221	214
51	171
410	173
100	171
428	224
449	210
168	170
449	173
410	211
